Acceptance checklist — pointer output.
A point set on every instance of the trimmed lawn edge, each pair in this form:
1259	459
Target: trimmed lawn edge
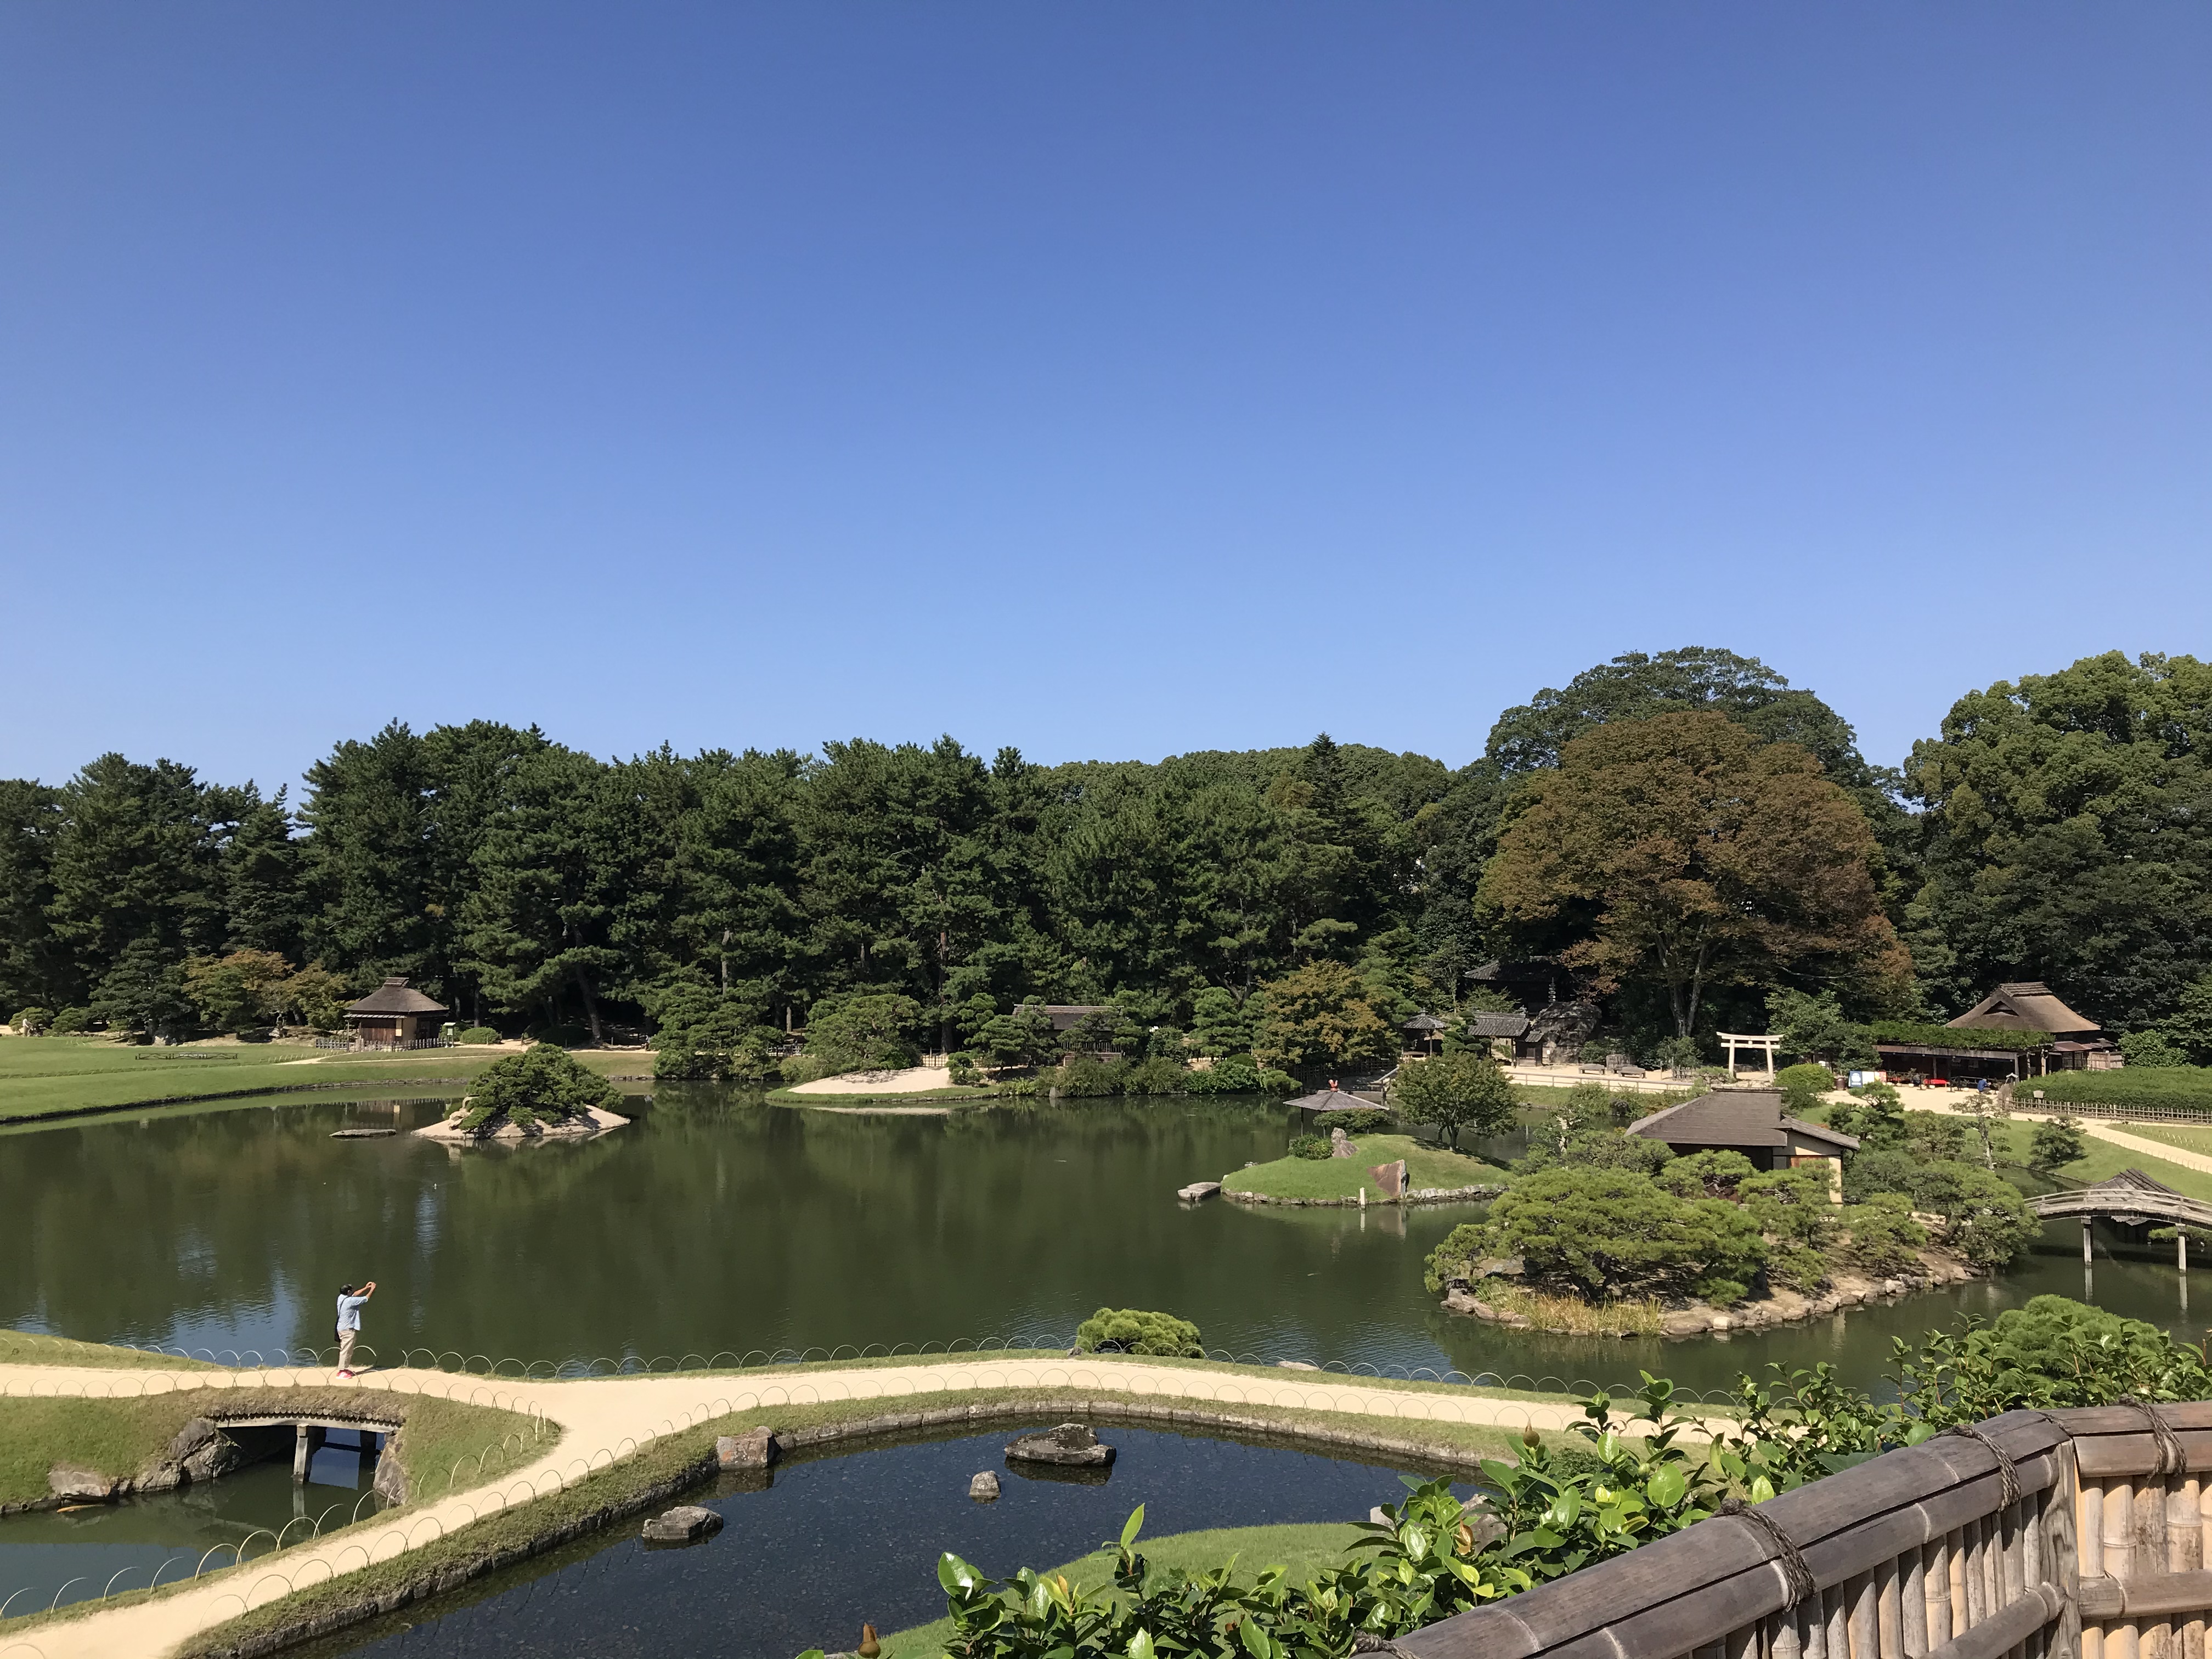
687	1458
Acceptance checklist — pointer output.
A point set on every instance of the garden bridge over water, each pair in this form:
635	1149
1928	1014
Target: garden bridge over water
2133	1199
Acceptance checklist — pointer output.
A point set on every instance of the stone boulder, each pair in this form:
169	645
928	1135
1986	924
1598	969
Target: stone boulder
687	1523
756	1448
984	1488
74	1484
1072	1445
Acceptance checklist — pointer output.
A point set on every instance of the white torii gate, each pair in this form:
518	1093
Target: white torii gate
1763	1046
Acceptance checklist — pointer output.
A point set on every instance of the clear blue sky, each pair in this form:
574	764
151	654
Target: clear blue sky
1108	380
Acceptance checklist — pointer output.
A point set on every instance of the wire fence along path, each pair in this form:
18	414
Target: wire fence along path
605	1418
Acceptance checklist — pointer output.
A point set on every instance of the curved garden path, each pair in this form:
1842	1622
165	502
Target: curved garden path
602	1419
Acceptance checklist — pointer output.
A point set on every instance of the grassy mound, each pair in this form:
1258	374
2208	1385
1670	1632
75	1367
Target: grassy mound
1345	1177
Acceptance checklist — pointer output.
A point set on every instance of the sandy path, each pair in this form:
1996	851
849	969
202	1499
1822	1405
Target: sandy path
602	1416
911	1081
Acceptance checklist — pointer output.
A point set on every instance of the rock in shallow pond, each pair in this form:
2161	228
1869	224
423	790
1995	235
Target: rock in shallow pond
685	1524
984	1488
1071	1445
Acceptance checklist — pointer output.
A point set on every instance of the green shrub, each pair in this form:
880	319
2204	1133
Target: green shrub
477	1034
1704	1175
71	1021
1880	1235
1238	1074
1157	1076
32	1021
1791	1205
1873	1116
1608	1233
2149	1051
1802	1086
541	1084
963	1071
2056	1144
2187	1088
1134	1330
1984	1218
2053	1352
1315	1146
1355	1120
1597	1148
1086	1079
1801	1269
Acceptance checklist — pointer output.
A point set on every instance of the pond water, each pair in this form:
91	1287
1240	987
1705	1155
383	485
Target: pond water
836	1540
55	1557
714	1223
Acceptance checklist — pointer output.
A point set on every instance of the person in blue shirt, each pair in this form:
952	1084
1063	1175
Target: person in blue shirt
350	1301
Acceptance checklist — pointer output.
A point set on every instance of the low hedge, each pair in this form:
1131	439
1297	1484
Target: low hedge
2179	1088
1958	1036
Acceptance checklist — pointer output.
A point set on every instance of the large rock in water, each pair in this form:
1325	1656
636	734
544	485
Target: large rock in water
686	1523
1072	1445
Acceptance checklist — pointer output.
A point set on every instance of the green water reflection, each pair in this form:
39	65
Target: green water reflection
714	1223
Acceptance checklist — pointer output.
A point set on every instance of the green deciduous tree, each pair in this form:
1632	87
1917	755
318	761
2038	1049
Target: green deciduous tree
1457	1093
1683	853
1318	1017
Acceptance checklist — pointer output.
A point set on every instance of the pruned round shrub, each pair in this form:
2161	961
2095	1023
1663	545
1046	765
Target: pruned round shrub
541	1086
32	1021
71	1020
1309	1146
1134	1330
1354	1121
478	1034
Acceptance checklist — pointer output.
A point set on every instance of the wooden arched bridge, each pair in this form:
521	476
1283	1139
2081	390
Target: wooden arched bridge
2133	1198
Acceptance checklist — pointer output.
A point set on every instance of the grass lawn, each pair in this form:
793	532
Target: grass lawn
2187	1136
121	1437
1345	1177
44	1075
1305	1551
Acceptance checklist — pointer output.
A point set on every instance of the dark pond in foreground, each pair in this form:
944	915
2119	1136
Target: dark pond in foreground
839	1539
714	1223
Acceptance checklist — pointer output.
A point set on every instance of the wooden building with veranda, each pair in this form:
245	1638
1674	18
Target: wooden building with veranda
393	1013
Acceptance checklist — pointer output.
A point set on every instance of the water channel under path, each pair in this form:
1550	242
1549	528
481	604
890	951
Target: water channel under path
838	1539
715	1223
57	1557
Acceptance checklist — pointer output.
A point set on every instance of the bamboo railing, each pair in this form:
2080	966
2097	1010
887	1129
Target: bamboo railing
2067	1534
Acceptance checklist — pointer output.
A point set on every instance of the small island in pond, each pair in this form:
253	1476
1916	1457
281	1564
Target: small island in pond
540	1094
1725	1213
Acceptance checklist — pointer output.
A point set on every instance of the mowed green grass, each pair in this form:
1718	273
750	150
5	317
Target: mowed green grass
2186	1136
48	1074
2101	1161
1304	1550
1346	1177
445	1444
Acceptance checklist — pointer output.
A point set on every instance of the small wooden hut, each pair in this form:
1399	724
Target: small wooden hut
392	1014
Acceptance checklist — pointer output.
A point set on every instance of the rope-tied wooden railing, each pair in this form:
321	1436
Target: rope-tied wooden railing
2067	1535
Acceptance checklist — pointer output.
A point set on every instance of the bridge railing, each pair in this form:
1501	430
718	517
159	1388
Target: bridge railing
2067	1534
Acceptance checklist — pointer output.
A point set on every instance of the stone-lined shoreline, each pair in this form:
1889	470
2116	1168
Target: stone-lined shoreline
1780	1307
1476	1195
983	1413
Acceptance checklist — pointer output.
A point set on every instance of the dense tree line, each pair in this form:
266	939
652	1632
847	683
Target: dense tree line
2058	829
